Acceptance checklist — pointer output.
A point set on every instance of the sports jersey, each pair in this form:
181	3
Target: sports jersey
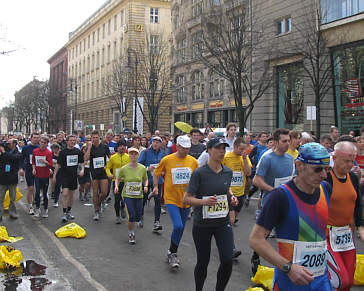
133	180
42	170
27	154
112	146
116	162
68	160
98	158
177	176
236	164
293	154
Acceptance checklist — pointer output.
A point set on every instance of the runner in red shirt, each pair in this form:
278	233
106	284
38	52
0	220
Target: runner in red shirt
42	163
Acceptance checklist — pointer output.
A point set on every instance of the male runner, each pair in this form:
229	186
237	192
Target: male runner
298	210
177	168
98	153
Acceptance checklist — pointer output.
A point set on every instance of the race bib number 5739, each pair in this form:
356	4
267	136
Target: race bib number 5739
341	239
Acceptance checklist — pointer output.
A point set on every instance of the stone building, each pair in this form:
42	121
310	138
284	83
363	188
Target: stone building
201	97
58	91
111	35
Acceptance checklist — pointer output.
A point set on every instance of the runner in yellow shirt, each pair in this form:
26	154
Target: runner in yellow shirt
116	162
177	168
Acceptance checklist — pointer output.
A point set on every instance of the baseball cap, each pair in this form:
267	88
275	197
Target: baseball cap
214	142
314	154
133	150
157	138
184	141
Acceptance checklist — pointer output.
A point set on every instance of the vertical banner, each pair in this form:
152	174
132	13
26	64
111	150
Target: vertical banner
139	115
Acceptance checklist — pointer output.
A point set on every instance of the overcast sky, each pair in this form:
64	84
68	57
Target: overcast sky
36	30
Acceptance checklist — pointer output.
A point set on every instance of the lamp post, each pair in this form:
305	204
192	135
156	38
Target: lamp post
73	84
135	129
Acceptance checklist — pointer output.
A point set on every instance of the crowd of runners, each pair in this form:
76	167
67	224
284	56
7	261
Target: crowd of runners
308	190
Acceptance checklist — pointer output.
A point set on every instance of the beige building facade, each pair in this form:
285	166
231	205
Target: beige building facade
105	38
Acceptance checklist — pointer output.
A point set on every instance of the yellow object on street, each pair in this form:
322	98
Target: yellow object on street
183	126
10	257
4	236
264	276
255	289
359	271
71	230
7	198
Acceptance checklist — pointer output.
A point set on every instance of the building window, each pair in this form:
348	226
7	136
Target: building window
290	96
284	25
154	15
216	2
196	7
181	89
88	41
181	50
98	34
217	86
103	30
349	87
93	62
93	38
108	53
176	18
103	56
98	59
109	27
198	88
197	120
115	50
337	9
115	22
196	44
122	17
154	44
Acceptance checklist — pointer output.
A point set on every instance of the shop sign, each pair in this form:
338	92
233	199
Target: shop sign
198	106
216	104
181	108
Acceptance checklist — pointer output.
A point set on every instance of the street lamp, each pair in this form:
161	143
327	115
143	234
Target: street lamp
73	88
135	86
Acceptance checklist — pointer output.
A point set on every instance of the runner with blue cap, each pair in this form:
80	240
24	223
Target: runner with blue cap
298	210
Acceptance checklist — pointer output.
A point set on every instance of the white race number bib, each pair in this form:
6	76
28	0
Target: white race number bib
280	181
133	188
341	239
39	161
72	160
219	210
112	150
98	162
237	180
312	255
181	175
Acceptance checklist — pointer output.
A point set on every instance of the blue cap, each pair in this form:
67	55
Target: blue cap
314	154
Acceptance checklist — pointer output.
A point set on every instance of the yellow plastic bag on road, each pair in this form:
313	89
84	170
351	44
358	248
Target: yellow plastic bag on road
359	271
264	276
7	198
71	230
4	236
10	257
255	289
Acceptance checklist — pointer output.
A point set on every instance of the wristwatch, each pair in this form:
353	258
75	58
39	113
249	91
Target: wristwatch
287	267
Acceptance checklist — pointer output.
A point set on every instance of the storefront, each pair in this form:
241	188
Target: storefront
349	86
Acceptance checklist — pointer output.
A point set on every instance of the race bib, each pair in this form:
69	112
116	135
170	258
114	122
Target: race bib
219	210
117	171
133	188
112	150
98	162
54	161
312	255
31	159
153	165
237	180
341	239
280	181
72	160
181	175
39	161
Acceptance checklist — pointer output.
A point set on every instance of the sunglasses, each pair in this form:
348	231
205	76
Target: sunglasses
320	169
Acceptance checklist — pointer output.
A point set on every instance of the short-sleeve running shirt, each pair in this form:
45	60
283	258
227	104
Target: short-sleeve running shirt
133	180
98	159
68	160
177	176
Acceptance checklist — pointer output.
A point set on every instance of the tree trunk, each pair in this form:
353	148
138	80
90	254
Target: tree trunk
318	117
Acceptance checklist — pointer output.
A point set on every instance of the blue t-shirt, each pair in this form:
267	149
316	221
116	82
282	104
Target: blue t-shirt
27	154
274	168
112	146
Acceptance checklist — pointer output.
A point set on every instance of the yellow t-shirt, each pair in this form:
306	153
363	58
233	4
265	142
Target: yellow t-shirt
236	164
115	163
177	176
292	153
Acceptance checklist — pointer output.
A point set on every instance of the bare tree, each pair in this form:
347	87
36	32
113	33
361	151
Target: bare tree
153	80
312	45
116	86
231	45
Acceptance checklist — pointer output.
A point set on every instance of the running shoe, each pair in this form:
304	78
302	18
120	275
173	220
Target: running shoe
157	226
141	223
69	215
64	218
45	213
102	207
118	220
37	212
55	205
96	216
173	260
123	212
163	211
236	253
131	238
31	211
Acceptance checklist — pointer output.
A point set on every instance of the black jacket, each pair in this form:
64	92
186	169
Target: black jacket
9	167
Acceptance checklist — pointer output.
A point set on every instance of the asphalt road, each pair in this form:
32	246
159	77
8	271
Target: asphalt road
105	261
